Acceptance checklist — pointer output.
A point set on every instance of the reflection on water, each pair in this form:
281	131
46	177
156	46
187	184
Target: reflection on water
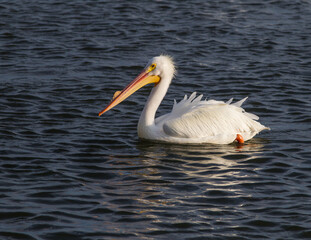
202	153
213	184
161	170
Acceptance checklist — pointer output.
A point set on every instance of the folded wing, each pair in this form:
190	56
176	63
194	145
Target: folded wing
193	118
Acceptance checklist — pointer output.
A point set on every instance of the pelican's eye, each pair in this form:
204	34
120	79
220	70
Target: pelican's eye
151	67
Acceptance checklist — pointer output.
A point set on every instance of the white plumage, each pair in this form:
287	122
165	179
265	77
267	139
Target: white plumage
196	121
191	120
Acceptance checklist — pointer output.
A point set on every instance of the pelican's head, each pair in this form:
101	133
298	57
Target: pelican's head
158	68
163	66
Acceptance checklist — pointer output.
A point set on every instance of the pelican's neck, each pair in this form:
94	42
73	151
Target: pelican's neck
156	96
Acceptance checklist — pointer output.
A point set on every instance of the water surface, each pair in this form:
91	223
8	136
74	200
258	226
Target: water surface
65	173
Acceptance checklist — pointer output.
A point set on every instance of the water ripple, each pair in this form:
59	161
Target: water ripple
67	174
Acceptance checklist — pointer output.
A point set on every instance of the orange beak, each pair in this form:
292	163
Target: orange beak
140	81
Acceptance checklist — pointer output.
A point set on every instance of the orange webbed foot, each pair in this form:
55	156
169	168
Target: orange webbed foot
239	138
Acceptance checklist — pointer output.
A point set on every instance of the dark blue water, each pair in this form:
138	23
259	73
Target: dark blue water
66	173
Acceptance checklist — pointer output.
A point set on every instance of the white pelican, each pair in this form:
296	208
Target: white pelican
191	120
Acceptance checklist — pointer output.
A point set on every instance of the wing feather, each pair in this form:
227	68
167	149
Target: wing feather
193	118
